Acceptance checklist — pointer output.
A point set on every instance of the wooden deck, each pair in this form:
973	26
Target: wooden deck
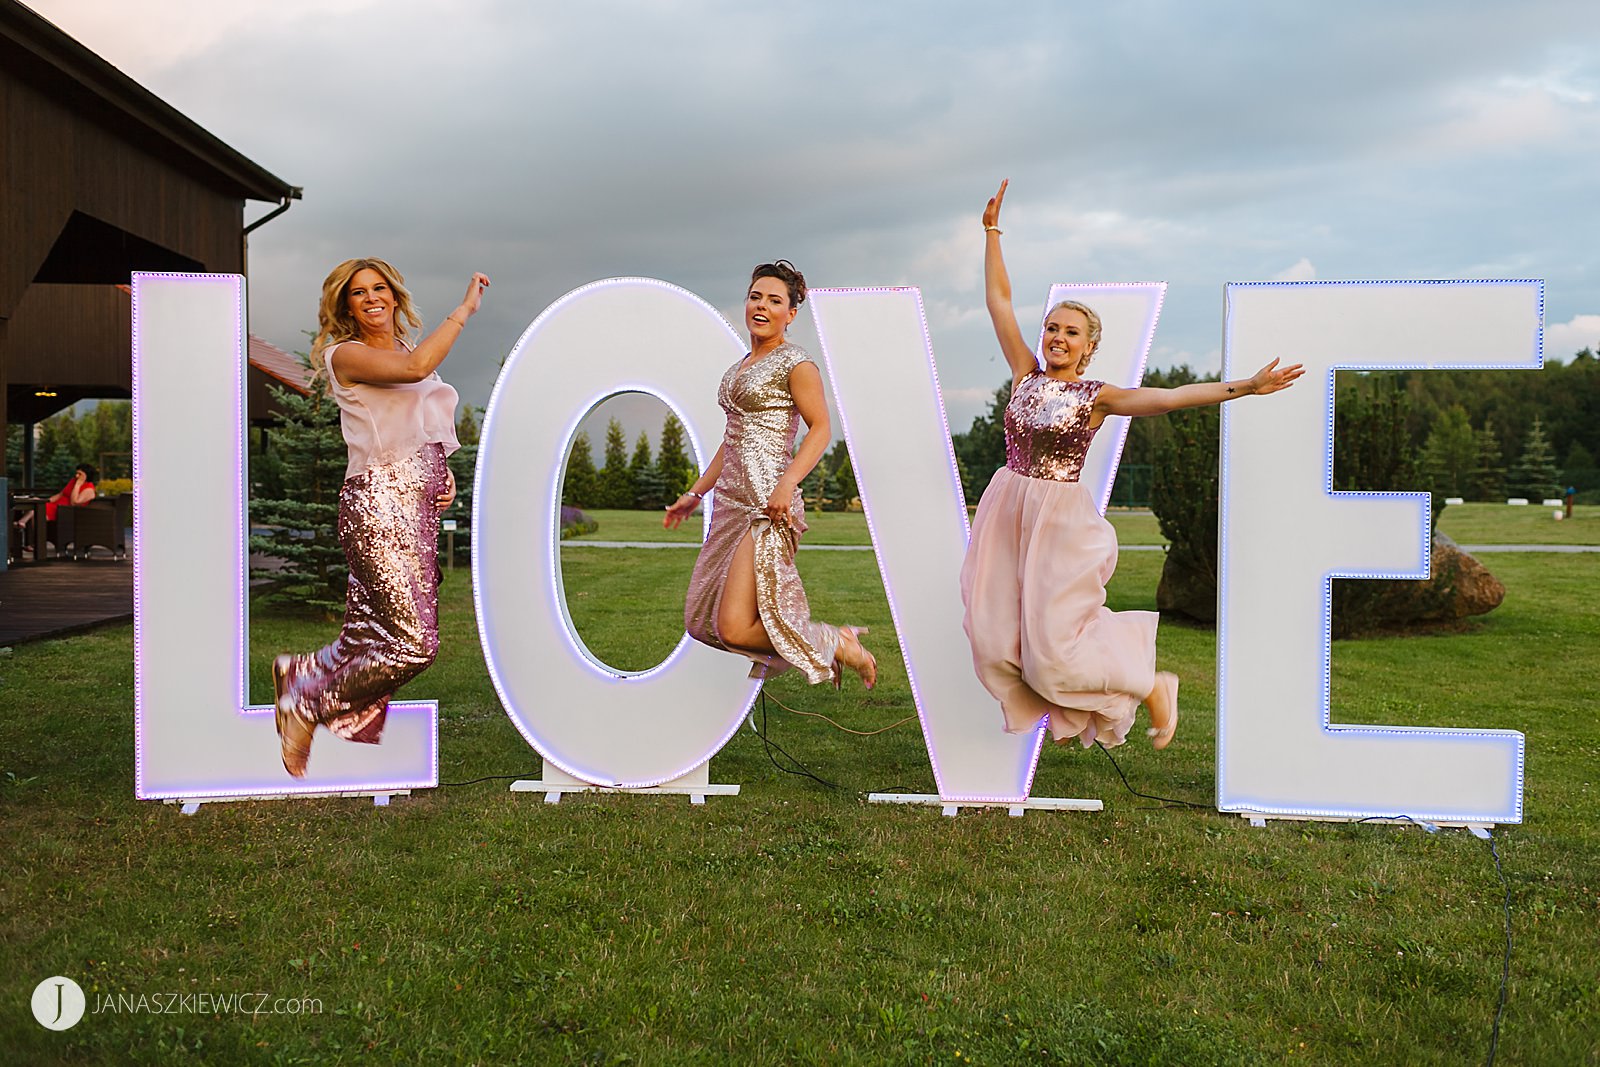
63	596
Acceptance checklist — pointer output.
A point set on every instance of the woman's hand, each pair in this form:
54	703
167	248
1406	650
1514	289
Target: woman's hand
777	508
991	214
679	510
474	298
448	497
1271	378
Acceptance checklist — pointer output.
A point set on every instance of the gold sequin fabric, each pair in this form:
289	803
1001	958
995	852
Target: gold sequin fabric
1033	583
1047	426
757	448
389	527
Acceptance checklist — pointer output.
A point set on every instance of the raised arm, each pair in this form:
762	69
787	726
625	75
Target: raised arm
997	293
1114	400
357	363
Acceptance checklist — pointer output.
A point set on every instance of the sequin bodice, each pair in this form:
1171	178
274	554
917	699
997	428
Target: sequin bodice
1047	426
762	423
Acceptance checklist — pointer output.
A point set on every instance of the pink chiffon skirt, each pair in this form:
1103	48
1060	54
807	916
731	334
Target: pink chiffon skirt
1043	641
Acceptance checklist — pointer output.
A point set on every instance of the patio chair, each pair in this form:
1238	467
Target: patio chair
98	524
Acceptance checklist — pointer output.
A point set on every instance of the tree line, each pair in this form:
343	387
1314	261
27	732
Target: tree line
649	481
1474	434
102	435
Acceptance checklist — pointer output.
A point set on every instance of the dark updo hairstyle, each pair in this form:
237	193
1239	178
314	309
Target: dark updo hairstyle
91	473
786	273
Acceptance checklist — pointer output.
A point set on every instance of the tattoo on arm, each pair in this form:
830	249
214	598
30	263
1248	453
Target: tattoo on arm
1231	390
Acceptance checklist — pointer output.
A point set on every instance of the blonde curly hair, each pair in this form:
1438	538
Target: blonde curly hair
335	323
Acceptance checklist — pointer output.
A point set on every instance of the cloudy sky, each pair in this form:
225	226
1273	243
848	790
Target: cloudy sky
1194	143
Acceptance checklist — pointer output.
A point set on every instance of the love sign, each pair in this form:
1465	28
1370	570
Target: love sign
1279	752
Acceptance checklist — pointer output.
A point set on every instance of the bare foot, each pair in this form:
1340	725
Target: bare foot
1163	705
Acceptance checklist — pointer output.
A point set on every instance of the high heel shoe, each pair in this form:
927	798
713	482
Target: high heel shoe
864	663
294	732
1166	684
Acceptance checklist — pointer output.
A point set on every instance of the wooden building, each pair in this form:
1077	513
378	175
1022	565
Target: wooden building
98	179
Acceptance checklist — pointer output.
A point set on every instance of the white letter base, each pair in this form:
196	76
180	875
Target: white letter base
1015	807
696	784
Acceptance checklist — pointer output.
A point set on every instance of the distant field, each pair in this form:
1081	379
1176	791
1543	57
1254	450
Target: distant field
1469	524
1502	524
826	528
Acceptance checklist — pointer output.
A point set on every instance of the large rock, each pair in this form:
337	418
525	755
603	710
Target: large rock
1460	588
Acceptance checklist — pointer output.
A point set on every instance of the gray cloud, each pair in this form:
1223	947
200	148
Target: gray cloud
551	145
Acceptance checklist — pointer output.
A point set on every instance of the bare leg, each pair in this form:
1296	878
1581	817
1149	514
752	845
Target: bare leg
738	619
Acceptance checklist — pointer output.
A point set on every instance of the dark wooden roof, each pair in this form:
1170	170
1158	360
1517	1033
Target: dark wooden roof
99	178
34	50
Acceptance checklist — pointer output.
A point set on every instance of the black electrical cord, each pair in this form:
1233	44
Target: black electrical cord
1505	964
1505	968
493	778
770	744
1147	796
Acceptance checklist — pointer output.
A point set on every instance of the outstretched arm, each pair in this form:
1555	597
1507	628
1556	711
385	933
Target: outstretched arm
358	363
1114	400
997	293
681	508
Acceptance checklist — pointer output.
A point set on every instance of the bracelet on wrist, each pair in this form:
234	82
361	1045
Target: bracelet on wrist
994	230
691	492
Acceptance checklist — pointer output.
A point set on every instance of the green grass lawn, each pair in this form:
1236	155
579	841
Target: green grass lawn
795	923
1502	524
825	528
1468	524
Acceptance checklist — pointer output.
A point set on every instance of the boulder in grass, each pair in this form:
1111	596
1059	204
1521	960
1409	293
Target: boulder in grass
1460	588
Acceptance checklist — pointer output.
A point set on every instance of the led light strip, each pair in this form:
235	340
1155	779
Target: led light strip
1503	322
694	700
196	736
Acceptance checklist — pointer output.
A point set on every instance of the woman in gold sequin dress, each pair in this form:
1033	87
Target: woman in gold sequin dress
1033	582
398	420
745	595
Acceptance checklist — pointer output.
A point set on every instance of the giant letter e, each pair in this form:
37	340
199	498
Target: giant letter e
1284	535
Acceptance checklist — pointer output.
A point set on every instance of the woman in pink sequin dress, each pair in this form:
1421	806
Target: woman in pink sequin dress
1043	641
745	594
398	419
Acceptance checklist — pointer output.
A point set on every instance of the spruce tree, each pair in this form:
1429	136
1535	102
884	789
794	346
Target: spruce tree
673	465
1580	470
1488	481
1450	453
648	488
580	486
57	452
463	464
813	489
616	480
302	524
841	487
1534	475
982	449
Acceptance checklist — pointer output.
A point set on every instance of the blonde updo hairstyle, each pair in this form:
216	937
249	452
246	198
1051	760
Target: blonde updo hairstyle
335	323
1094	328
